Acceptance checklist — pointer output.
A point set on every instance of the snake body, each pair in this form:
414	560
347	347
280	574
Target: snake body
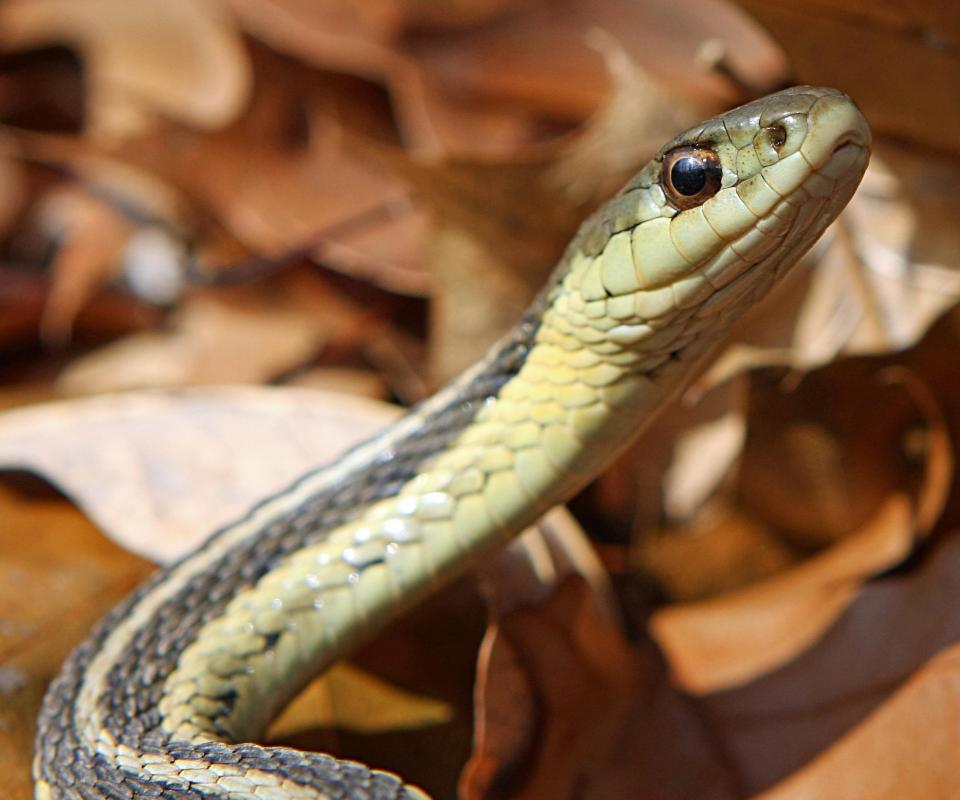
158	701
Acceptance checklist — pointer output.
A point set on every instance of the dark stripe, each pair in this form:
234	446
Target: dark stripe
129	703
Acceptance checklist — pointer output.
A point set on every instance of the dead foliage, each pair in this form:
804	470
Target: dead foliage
231	229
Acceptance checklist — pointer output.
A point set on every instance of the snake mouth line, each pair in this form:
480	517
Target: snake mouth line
846	143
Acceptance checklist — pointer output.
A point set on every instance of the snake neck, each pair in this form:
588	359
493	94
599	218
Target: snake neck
546	411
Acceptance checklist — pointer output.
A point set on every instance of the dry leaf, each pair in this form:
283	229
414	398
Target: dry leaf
638	114
848	44
281	198
907	748
532	567
820	458
784	719
92	235
501	224
351	381
539	56
348	698
241	335
178	59
729	640
159	471
733	638
526	576
12	187
720	550
705	452
567	708
57	577
480	90
564	662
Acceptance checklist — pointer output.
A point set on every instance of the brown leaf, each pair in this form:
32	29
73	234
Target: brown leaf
481	89
849	44
501	224
539	56
706	450
731	639
784	719
528	574
564	663
638	114
351	381
238	335
278	199
176	59
57	576
735	637
92	235
720	550
12	187
906	748
820	459
531	568
568	709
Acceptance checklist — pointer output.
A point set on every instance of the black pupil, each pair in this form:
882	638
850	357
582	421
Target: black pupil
688	176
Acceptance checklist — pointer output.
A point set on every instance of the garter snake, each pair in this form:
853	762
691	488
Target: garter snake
159	701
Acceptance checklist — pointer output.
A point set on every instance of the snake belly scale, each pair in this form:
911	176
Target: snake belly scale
162	697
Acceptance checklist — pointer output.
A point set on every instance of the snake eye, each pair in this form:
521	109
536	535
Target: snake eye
690	175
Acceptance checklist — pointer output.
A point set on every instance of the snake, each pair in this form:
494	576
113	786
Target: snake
168	694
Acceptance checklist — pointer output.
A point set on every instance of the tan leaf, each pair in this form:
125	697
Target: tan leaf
533	566
501	224
638	115
276	198
784	719
720	550
349	698
179	59
734	638
480	90
159	471
350	381
539	57
705	452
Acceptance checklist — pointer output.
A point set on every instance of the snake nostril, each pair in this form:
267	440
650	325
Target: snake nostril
778	136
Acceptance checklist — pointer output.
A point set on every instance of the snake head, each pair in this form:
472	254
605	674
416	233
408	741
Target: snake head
714	220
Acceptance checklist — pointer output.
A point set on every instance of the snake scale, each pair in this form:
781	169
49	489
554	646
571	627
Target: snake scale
163	698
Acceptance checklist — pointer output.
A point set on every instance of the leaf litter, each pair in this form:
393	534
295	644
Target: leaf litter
224	222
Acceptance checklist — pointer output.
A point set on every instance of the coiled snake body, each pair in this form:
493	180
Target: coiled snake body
153	703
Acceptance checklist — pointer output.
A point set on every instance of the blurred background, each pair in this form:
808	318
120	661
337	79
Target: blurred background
333	203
